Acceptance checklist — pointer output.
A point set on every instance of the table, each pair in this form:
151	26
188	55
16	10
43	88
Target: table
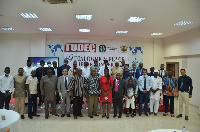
12	121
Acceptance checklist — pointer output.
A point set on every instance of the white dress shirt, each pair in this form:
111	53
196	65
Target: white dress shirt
27	70
101	71
157	83
163	72
6	83
86	71
56	71
32	82
148	82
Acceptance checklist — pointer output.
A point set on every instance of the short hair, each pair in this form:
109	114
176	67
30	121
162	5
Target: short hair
54	62
130	80
42	61
33	71
21	69
28	61
49	70
7	68
118	74
182	69
134	64
144	70
127	65
64	69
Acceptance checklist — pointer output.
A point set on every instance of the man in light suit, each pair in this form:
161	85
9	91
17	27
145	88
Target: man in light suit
64	92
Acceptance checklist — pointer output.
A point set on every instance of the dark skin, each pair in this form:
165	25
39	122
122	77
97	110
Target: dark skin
141	65
20	72
65	62
29	64
155	76
42	64
85	64
55	64
95	62
106	63
48	62
144	73
116	64
130	74
118	76
7	71
33	74
106	72
75	65
123	62
162	67
152	69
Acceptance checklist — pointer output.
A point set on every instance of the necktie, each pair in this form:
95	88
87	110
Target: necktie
145	83
66	83
133	73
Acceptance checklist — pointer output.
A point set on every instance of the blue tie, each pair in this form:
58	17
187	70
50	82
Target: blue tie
145	83
66	83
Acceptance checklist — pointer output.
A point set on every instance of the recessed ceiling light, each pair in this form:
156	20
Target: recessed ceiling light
84	30
83	17
28	15
45	29
156	33
122	32
183	23
7	28
135	19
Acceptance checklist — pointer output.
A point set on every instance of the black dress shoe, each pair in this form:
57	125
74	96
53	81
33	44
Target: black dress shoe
63	115
134	114
30	117
22	117
140	114
46	116
36	115
146	114
96	115
68	115
56	114
91	116
180	115
114	116
107	117
119	116
186	118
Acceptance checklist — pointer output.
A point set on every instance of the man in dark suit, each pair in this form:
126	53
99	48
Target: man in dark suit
119	88
139	71
40	71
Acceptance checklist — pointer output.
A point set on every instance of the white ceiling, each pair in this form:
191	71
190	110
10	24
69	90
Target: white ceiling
160	16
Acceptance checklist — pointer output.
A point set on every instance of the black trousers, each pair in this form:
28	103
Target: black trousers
117	102
77	105
171	98
4	99
164	98
32	109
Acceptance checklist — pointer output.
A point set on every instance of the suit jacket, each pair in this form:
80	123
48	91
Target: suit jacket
59	71
40	72
164	75
121	87
138	73
48	87
61	85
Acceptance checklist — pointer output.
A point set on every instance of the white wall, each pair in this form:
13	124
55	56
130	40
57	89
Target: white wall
185	49
16	48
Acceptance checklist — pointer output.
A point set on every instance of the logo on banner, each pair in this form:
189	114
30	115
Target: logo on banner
80	47
111	48
102	48
123	48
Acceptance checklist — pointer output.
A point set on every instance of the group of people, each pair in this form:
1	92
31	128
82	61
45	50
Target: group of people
54	84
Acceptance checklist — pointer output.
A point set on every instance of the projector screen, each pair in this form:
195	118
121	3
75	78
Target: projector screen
45	59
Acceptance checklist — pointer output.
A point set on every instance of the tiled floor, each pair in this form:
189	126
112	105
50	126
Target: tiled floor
98	124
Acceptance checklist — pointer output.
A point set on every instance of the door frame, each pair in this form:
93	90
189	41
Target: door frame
174	64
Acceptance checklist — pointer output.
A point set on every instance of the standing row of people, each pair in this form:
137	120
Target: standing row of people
112	83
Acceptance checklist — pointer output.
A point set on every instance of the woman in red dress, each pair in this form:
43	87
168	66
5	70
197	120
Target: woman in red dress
106	85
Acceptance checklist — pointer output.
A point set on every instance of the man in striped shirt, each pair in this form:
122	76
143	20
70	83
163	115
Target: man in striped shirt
76	85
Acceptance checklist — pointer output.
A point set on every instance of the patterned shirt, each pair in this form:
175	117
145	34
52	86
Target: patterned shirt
19	85
77	85
92	85
172	82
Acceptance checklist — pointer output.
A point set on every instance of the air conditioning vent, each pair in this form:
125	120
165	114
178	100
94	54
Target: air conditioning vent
70	2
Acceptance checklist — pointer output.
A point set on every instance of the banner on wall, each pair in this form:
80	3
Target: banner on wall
88	50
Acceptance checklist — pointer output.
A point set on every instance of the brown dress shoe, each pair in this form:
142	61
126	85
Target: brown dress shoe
75	117
81	116
186	118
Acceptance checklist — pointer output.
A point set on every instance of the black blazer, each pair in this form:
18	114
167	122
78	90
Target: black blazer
59	71
121	88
